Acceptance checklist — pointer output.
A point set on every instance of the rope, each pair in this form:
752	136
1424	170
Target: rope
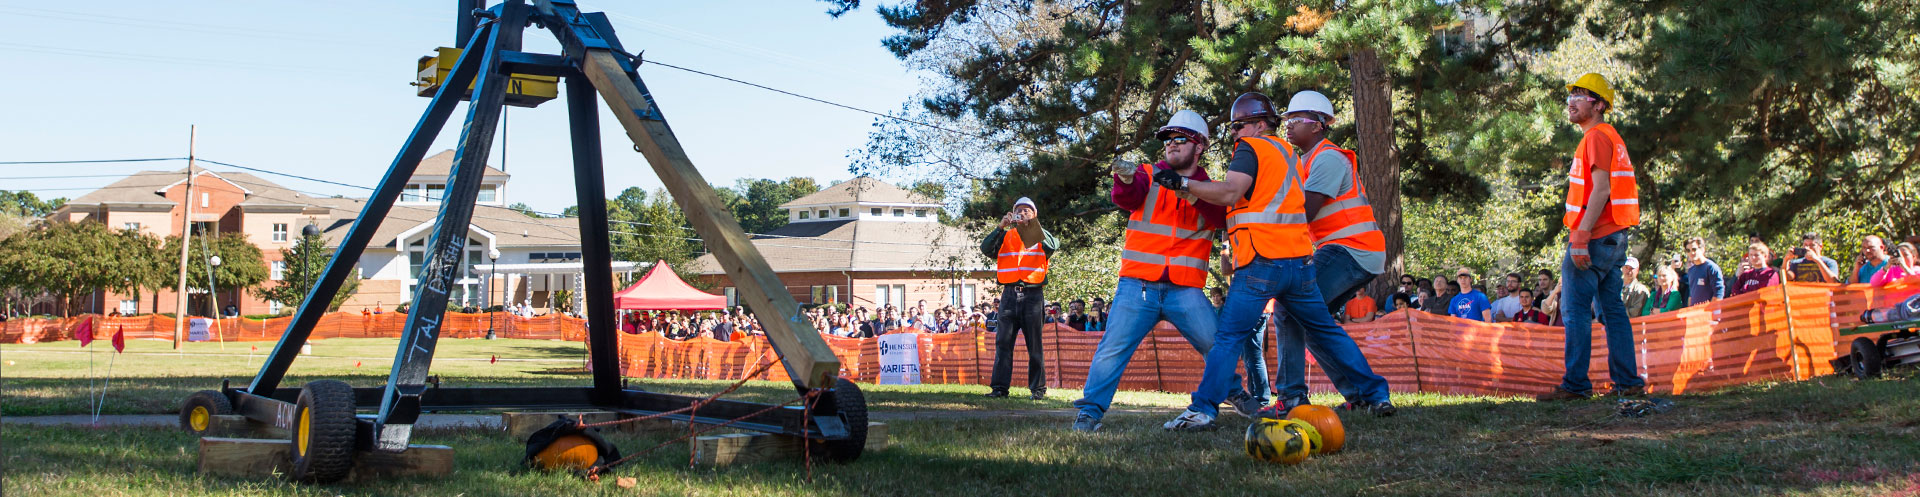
690	408
594	474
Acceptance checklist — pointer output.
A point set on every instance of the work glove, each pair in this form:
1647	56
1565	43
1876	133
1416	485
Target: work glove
1170	180
1577	247
1123	169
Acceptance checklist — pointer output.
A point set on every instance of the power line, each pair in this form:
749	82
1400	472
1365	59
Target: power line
98	161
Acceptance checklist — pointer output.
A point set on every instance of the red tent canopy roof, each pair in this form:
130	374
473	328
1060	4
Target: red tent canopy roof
663	290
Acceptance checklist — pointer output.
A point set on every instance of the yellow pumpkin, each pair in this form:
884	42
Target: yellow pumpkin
1333	435
573	452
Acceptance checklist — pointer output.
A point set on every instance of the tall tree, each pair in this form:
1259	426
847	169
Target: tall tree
241	265
73	260
756	202
305	262
25	203
650	227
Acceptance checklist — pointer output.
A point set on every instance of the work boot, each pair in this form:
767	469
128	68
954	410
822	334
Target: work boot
997	394
1560	394
1636	392
1038	395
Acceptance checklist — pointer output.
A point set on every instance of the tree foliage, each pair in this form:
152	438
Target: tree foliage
756	202
72	260
241	264
25	204
1769	117
306	261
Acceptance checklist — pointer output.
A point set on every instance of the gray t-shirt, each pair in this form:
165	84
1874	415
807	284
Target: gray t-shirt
1331	174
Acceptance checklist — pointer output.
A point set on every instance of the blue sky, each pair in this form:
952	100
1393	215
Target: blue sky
319	88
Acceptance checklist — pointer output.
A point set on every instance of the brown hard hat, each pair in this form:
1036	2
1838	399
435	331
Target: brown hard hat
1252	105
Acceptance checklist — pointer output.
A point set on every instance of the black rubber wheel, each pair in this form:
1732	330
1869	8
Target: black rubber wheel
852	406
323	429
1867	359
196	414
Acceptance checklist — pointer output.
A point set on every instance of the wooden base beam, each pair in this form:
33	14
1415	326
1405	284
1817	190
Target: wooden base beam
237	426
270	458
521	425
743	448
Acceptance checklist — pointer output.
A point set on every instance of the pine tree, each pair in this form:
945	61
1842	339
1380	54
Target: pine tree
305	263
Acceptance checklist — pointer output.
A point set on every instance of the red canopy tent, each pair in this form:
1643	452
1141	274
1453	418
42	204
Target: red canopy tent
661	290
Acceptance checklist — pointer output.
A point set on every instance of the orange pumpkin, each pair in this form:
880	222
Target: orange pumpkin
574	452
1333	435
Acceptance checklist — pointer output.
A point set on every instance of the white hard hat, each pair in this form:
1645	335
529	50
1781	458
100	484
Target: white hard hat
1311	101
1186	122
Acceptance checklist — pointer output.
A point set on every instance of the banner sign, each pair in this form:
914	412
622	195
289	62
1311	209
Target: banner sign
900	359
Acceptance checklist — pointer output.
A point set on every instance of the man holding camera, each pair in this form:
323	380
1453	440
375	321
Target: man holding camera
1808	266
1019	248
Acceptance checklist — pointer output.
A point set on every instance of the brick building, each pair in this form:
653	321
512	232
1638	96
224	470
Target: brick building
865	243
536	257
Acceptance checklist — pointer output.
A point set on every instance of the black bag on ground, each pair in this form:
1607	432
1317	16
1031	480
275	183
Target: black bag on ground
566	444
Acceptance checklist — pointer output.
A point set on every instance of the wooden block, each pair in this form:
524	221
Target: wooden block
237	426
741	448
272	458
245	457
876	436
520	425
417	460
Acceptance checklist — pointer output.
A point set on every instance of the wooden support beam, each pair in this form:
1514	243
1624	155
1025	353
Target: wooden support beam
272	458
807	358
742	448
520	425
234	425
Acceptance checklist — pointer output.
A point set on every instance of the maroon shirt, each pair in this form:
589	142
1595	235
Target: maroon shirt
1755	279
1531	316
1132	196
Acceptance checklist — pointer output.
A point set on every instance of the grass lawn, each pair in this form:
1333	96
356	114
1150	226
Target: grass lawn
51	378
1830	436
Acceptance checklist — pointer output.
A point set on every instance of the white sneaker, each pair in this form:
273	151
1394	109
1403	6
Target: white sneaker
1191	421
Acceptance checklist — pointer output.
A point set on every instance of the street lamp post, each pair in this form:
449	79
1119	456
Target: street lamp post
213	300
492	269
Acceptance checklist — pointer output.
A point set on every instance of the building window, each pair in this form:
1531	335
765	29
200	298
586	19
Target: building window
890	294
279	232
733	298
278	271
487	194
129	307
413	194
476	254
824	294
436	193
416	257
846	212
876	211
803	214
823	213
899	213
204	199
274	307
961	295
204	227
130	226
919	213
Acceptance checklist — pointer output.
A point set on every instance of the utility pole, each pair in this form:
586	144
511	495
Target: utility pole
186	233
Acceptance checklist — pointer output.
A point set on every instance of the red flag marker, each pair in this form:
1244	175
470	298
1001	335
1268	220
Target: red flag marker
84	332
356	364
494	359
253	348
120	339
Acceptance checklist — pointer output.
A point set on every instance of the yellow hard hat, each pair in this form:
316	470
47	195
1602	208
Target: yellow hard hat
1597	84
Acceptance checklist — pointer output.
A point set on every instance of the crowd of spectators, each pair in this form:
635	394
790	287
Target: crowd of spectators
1512	297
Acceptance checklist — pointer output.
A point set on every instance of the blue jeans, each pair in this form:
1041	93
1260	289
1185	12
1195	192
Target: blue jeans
1288	282
1255	356
1337	275
1137	306
1582	291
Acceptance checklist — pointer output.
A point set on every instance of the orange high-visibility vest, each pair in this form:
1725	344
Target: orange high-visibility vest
1019	262
1346	220
1623	199
1272	223
1166	235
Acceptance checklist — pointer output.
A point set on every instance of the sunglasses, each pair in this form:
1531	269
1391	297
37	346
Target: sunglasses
1177	140
1240	124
